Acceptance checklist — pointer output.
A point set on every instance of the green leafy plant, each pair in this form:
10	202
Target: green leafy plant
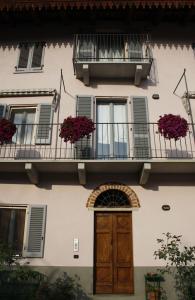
64	288
154	277
153	288
17	281
180	263
7	256
23	283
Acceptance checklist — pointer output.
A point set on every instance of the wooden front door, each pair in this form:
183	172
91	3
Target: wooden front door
113	253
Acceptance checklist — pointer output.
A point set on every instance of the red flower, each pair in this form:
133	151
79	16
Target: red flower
172	127
74	129
7	130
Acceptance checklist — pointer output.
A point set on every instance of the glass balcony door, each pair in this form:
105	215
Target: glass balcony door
112	134
111	48
24	120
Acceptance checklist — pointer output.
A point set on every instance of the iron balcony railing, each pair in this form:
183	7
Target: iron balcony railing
112	47
114	141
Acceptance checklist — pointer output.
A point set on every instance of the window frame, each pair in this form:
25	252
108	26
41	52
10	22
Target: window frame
21	206
26	107
110	101
29	68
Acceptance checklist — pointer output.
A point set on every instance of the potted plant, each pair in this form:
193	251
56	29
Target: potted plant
75	128
7	130
172	126
153	287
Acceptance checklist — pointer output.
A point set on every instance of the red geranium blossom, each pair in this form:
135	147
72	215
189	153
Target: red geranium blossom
172	126
76	128
7	130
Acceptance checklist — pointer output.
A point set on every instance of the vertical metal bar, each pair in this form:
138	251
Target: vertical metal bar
189	104
160	145
58	114
189	133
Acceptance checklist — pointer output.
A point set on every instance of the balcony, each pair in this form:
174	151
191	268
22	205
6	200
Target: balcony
112	56
112	148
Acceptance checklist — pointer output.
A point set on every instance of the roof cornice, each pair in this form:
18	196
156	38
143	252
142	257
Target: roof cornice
93	4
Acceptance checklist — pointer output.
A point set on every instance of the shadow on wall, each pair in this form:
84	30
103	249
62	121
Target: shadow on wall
178	153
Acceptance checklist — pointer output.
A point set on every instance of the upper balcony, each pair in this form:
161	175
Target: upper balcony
118	148
112	56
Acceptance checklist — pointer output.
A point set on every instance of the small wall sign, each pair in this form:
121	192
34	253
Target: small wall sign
166	207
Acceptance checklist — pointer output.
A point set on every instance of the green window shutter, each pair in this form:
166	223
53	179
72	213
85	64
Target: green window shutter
44	127
141	136
135	50
35	235
2	110
23	56
84	108
37	56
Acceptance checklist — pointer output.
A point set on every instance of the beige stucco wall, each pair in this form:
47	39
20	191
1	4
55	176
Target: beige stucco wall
68	217
172	54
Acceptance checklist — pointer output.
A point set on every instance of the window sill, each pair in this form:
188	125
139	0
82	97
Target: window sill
27	71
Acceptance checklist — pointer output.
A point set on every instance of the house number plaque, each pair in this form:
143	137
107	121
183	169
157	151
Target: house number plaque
166	207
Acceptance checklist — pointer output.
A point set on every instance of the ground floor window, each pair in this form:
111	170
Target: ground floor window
23	229
12	221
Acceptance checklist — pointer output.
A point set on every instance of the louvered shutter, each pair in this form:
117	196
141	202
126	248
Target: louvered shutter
44	127
2	110
23	57
141	136
135	50
35	235
37	56
84	108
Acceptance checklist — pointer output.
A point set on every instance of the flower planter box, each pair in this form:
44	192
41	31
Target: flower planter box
153	295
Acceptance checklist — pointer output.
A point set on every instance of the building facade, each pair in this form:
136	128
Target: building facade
95	207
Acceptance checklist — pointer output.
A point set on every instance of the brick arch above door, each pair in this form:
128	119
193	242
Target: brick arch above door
131	195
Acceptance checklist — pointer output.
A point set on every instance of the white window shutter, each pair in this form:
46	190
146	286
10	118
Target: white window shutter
141	135
35	232
45	124
2	110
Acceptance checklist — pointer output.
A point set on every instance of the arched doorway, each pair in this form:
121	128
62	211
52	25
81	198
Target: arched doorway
113	248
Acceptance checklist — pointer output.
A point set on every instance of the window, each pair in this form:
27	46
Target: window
112	131
114	136
34	123
112	199
30	57
23	228
12	222
24	119
109	47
